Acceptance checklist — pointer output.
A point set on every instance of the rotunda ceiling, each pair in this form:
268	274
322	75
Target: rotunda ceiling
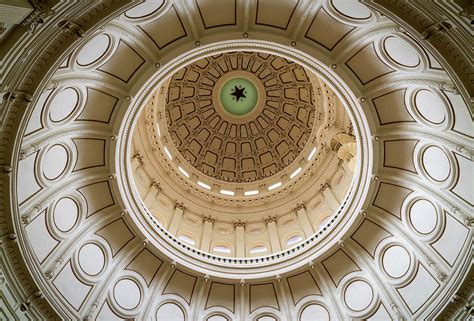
226	166
108	216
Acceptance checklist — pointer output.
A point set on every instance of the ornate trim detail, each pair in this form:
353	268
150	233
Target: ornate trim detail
270	219
156	186
300	207
180	206
139	158
239	223
209	219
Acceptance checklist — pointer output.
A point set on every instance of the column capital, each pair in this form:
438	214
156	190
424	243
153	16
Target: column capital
239	223
139	158
324	187
180	206
299	207
209	219
155	185
270	219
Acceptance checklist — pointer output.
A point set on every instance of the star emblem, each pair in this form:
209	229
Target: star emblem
238	93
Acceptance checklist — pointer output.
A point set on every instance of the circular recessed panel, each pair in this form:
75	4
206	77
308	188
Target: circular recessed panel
143	9
430	106
170	311
352	9
358	295
65	215
63	104
436	163
55	161
401	52
396	261
238	96
93	50
423	216
127	294
91	259
315	312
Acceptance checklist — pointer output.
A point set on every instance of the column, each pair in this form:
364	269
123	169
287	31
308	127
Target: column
345	166
304	221
329	197
207	233
137	160
152	193
347	152
239	238
176	220
272	231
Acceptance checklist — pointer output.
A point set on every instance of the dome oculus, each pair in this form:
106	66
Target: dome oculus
238	96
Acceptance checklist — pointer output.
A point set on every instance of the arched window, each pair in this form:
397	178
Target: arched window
222	249
188	239
324	222
294	239
258	249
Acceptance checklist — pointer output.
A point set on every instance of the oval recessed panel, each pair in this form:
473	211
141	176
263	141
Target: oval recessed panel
127	294
430	106
423	216
436	163
223	228
63	104
93	50
401	52
255	228
91	259
55	161
143	9
352	9
396	261
358	295
65	215
315	312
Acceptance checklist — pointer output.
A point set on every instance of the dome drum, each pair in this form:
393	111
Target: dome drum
179	168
